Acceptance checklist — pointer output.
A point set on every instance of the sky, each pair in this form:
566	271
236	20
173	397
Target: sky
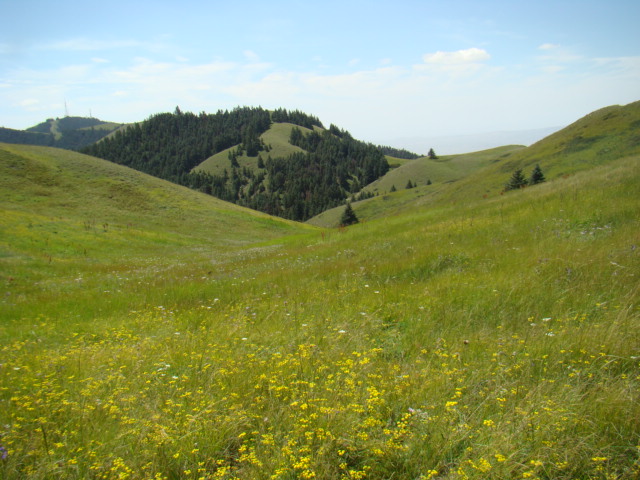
386	71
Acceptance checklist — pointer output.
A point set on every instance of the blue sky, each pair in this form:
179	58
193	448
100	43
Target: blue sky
382	70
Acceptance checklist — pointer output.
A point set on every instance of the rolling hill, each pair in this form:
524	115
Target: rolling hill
72	133
151	331
65	209
602	136
243	156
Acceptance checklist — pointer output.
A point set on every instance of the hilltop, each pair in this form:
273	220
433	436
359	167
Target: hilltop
72	133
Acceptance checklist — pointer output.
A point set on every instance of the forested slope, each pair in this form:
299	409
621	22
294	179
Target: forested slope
331	166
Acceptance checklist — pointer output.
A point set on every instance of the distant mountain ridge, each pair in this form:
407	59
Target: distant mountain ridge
71	133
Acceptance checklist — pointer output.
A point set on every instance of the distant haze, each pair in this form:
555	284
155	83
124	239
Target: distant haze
453	144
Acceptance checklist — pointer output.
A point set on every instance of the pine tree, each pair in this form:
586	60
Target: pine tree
432	155
536	176
393	188
409	185
516	181
348	216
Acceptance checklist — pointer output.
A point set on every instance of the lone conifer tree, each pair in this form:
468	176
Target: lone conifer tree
536	176
432	155
516	181
348	216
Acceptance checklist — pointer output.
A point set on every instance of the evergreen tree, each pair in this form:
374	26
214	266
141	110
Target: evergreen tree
536	176
393	188
410	185
516	181
428	181
432	155
348	216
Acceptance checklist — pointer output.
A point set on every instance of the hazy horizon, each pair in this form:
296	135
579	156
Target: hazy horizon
380	70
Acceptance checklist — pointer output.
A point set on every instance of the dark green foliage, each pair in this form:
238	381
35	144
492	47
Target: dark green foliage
9	135
536	176
296	117
169	145
428	181
348	216
233	157
398	152
333	166
393	188
432	155
305	184
410	185
516	181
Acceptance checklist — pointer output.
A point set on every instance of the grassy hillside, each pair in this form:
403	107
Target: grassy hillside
67	216
444	169
598	138
480	338
441	172
276	138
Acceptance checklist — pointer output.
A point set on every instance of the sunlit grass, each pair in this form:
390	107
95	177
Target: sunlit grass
492	339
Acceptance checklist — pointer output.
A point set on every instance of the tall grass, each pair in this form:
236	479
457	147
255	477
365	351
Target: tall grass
490	339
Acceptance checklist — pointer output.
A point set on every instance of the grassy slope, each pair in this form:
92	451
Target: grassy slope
442	170
601	136
483	339
277	138
67	216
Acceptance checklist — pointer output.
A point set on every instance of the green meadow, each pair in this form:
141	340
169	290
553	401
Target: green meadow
458	332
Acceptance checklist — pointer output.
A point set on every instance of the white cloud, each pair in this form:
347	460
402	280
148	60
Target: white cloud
84	44
251	56
448	93
548	46
470	55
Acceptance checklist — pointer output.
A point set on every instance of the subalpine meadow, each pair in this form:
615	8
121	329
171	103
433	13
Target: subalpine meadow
458	332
